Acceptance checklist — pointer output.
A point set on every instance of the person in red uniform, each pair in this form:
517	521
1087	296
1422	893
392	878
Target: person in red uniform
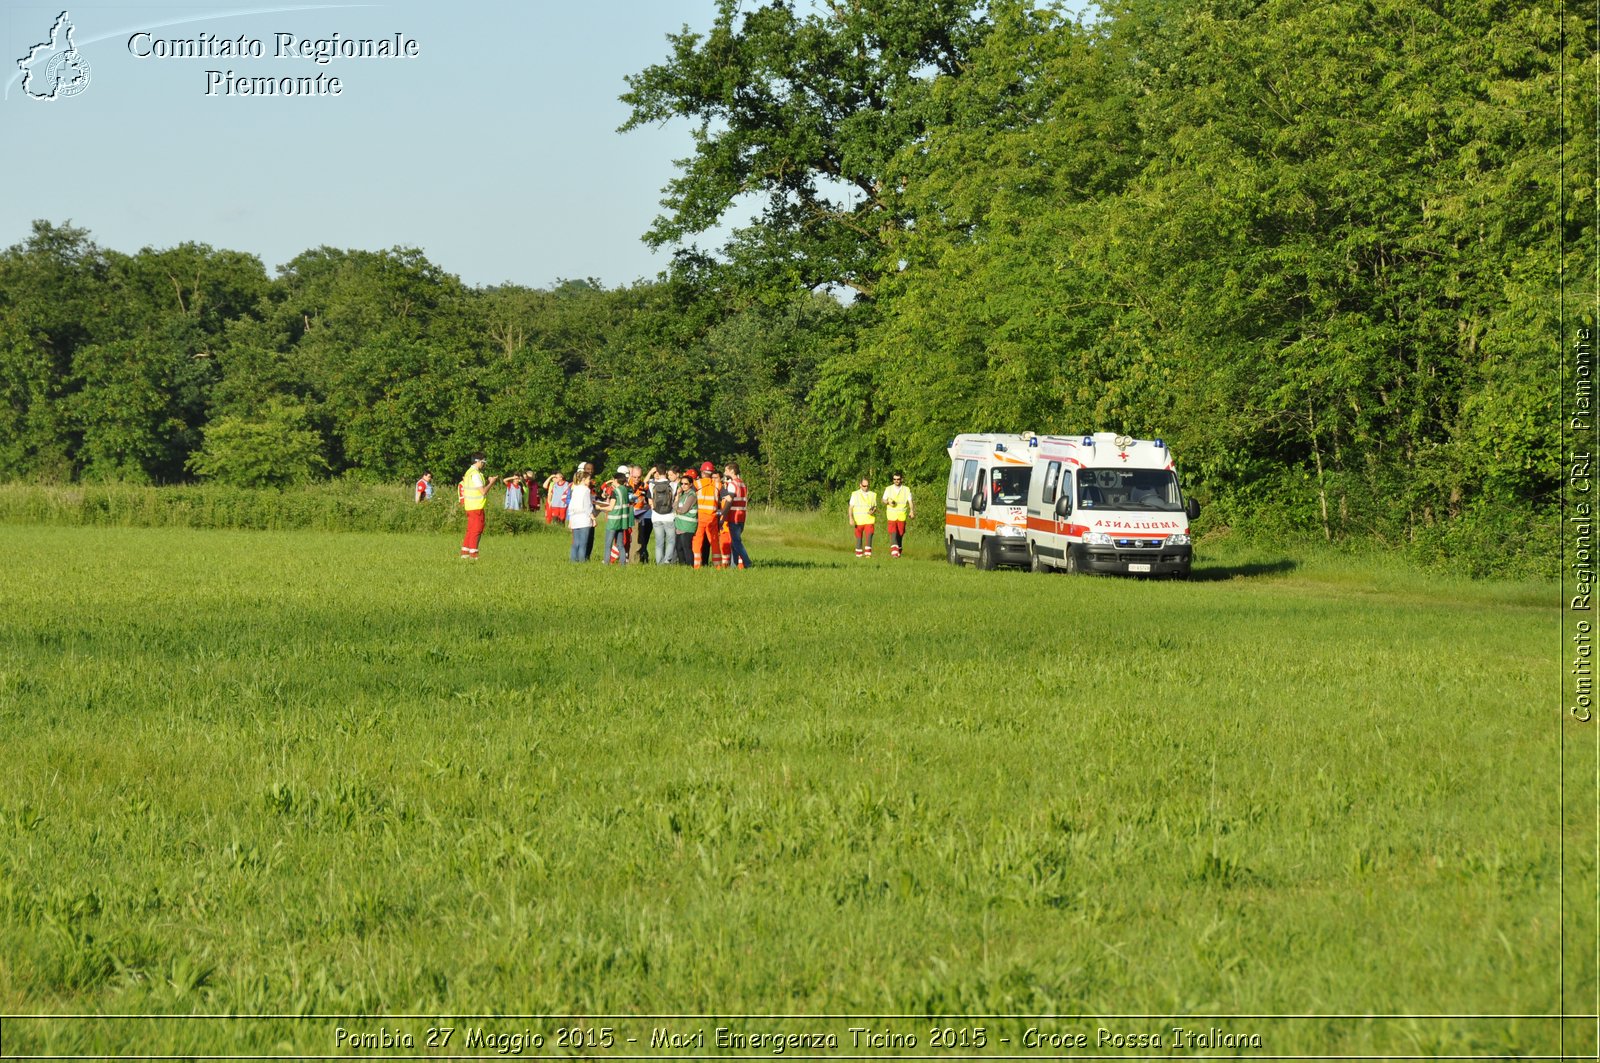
736	503
557	490
473	491
530	491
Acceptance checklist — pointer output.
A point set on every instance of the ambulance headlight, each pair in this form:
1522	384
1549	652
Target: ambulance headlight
1180	539
1011	531
1097	539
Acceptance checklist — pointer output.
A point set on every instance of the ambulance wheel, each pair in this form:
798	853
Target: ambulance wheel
951	554
1072	563
1036	563
986	558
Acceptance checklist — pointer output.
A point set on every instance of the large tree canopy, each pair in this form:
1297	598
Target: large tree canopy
805	112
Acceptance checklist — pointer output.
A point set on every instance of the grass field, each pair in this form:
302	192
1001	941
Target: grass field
307	774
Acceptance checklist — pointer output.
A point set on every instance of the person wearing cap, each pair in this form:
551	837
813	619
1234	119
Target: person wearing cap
685	516
897	510
619	519
862	515
473	491
735	503
708	529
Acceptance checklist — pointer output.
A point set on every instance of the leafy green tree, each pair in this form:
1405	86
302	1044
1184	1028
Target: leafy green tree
805	111
378	344
125	411
276	448
52	301
764	359
1005	313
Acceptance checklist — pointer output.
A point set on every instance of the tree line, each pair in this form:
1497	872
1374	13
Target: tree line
1316	245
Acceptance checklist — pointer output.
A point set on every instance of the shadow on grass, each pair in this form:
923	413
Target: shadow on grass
1255	568
762	563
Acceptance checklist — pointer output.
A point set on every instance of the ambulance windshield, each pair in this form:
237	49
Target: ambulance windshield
1009	487
1125	489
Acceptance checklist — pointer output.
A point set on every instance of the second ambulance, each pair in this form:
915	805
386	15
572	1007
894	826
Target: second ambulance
1108	503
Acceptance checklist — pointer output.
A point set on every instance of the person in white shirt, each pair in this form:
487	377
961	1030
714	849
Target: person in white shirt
580	518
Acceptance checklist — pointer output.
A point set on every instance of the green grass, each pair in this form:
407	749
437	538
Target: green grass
302	772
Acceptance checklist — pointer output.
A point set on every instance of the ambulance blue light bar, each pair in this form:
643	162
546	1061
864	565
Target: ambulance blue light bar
1088	441
1160	445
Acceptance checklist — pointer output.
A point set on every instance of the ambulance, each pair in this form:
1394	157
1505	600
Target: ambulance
986	499
1107	503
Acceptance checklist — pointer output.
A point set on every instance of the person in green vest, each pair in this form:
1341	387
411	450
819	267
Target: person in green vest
619	519
685	516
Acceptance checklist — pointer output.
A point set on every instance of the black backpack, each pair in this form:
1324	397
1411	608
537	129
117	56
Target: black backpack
661	496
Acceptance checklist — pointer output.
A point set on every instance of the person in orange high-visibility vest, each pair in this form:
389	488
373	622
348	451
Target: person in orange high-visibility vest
473	491
709	529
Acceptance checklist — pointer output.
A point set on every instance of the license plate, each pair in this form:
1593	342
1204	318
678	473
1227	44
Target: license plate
1138	568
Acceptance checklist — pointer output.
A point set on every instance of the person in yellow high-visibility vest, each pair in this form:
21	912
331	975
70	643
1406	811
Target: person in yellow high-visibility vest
474	493
898	508
862	513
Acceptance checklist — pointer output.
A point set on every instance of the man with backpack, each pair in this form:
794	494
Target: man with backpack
661	490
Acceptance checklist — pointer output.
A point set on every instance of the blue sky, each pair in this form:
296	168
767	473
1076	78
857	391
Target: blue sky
493	150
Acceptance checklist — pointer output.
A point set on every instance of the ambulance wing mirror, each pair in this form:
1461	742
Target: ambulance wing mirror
1191	508
1064	506
978	502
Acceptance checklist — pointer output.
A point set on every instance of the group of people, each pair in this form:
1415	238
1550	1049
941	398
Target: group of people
694	517
861	512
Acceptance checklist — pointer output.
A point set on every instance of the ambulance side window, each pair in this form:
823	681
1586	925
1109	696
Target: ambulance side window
969	478
1052	477
954	488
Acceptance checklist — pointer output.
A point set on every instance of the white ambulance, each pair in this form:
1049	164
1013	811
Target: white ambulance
986	499
1107	503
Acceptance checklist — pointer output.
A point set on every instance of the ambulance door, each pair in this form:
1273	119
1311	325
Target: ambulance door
1046	525
961	523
